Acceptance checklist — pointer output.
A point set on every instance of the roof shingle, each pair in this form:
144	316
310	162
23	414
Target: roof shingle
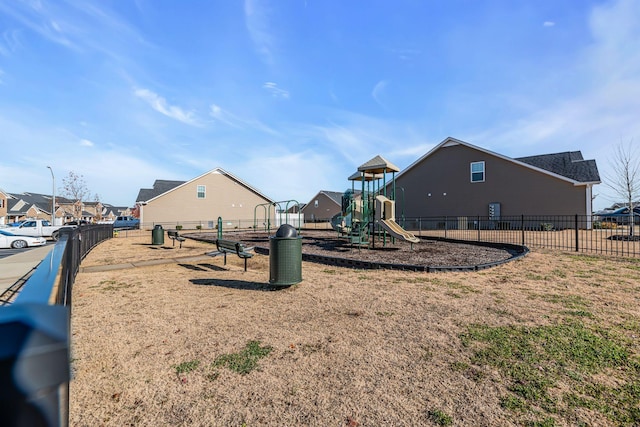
569	164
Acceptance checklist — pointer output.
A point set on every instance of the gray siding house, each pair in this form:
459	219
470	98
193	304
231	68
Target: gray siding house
323	206
456	178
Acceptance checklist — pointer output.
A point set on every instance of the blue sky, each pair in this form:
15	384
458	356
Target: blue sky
293	95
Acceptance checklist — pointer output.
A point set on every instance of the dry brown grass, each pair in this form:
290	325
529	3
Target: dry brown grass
349	347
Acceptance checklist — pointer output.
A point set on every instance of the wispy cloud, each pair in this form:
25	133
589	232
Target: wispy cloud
378	91
10	42
548	24
40	19
319	170
258	24
406	54
161	105
355	138
600	113
275	91
223	116
86	143
78	26
615	55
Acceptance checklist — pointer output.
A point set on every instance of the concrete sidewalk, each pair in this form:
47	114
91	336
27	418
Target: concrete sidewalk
15	266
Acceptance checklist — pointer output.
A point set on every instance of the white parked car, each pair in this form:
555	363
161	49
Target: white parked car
10	240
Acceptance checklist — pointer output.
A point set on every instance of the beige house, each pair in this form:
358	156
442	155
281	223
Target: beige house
200	201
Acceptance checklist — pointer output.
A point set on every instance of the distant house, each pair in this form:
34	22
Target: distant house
323	206
201	200
296	208
19	206
3	207
110	212
27	205
459	179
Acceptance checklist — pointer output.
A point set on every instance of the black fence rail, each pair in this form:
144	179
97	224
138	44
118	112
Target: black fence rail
579	233
205	225
34	335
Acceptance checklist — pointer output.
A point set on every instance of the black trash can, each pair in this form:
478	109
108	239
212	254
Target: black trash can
285	257
157	235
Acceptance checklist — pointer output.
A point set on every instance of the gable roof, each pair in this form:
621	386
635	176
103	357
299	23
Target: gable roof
162	187
19	204
336	196
365	176
568	166
378	165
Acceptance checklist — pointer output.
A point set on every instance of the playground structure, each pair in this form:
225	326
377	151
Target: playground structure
278	211
371	212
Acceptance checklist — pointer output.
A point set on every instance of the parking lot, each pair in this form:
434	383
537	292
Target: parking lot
8	252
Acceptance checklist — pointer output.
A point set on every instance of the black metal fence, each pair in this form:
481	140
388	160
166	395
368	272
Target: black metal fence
205	225
579	233
34	335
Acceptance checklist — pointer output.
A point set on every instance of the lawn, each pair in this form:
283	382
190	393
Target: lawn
548	340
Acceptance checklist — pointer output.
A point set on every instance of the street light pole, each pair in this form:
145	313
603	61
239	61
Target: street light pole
53	198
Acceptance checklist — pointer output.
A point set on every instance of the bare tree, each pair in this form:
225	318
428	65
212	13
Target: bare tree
98	216
624	179
74	188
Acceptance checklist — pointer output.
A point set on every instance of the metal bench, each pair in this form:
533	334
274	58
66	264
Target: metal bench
173	235
229	246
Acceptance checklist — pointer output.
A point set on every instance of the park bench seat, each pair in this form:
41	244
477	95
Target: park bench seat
174	235
229	246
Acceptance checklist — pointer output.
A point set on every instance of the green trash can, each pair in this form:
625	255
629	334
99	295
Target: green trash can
285	257
157	235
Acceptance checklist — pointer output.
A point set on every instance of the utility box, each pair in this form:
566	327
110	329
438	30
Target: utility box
285	257
157	235
494	211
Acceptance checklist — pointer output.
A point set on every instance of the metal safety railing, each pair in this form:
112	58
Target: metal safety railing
34	335
577	233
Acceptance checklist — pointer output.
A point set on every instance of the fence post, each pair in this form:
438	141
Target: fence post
577	234
522	228
420	225
446	226
478	222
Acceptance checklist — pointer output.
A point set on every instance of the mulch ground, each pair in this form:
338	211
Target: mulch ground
434	253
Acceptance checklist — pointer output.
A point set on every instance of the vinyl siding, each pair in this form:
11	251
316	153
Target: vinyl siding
224	197
326	209
519	189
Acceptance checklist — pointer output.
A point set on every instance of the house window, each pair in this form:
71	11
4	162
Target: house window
477	172
201	190
315	204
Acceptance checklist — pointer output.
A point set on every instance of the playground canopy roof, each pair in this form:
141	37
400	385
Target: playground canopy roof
365	176
378	165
